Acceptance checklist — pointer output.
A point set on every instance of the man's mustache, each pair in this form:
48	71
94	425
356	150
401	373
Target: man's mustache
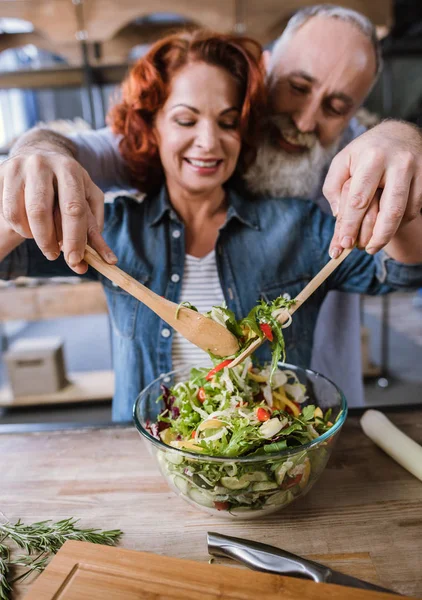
290	132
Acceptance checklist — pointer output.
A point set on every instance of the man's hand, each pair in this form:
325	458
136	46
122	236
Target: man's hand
45	194
387	160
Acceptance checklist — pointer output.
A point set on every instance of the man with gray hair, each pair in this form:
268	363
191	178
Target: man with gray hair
321	70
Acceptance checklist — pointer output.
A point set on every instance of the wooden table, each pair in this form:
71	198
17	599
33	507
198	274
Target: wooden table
363	517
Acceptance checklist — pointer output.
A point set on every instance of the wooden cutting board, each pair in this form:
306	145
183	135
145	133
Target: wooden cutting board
82	571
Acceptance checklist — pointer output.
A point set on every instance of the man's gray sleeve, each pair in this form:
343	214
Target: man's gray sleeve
98	152
336	350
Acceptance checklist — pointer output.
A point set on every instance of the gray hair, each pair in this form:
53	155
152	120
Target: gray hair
348	15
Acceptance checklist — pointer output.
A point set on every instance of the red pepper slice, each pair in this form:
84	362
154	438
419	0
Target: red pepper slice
292	482
215	370
201	394
267	331
262	415
221	505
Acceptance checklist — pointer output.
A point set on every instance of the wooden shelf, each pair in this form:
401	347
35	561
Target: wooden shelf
87	386
61	77
52	301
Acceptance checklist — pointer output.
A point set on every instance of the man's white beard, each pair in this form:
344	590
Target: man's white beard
278	173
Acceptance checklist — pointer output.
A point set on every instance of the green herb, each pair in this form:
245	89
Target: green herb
249	328
43	538
186	305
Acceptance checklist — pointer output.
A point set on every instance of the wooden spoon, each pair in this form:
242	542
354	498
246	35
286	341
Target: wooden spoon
198	329
299	300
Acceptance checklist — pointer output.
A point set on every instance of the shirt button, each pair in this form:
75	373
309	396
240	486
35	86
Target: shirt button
287	296
176	234
175	278
165	332
114	284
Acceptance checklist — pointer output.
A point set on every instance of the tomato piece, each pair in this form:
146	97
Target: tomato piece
293	481
267	331
201	394
262	414
221	505
215	370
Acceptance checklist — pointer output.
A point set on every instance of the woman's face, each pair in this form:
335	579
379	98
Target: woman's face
197	129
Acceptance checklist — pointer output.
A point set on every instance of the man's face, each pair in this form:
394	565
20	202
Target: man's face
319	79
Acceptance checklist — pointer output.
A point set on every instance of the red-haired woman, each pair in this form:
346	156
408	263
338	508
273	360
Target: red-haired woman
187	120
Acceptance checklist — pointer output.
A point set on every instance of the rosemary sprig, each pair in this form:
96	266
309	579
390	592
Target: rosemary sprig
44	538
5	587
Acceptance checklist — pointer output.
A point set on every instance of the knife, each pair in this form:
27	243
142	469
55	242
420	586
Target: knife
270	559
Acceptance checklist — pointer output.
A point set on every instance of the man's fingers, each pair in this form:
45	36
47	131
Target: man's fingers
338	174
58	225
335	247
368	223
39	202
12	205
73	208
414	205
363	186
96	240
95	199
392	208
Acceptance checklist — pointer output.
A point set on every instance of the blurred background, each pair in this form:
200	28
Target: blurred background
60	64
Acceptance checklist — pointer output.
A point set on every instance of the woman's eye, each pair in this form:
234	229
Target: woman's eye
298	88
185	123
229	125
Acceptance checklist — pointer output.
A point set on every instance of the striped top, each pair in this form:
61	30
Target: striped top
201	287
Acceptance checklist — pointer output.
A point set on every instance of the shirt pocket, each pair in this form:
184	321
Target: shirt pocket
122	307
300	331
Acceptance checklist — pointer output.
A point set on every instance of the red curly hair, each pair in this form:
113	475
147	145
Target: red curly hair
147	87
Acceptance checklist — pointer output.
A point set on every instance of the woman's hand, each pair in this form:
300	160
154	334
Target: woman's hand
45	194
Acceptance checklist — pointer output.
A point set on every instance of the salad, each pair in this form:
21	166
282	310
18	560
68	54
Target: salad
261	322
246	412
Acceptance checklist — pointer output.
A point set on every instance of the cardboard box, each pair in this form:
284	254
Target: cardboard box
36	366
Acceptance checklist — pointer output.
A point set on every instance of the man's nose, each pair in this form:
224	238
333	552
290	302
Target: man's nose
306	118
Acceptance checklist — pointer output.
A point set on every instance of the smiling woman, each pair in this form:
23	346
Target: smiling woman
211	85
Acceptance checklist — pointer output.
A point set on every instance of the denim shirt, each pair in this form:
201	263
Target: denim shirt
267	247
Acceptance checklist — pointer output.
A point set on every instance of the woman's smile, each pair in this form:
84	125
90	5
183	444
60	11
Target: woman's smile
204	166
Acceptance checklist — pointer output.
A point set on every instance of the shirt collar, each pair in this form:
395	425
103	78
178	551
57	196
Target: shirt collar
159	206
241	206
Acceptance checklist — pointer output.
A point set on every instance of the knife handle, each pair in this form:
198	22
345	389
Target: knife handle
263	557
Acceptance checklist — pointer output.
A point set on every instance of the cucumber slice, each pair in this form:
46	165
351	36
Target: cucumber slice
174	458
264	486
281	471
181	484
254	476
279	499
200	498
232	483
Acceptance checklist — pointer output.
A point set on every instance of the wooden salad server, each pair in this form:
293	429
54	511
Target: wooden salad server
195	327
299	300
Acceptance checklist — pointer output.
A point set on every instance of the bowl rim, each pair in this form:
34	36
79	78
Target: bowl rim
244	459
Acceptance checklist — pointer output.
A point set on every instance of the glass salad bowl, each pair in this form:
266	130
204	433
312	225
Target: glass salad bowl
244	486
